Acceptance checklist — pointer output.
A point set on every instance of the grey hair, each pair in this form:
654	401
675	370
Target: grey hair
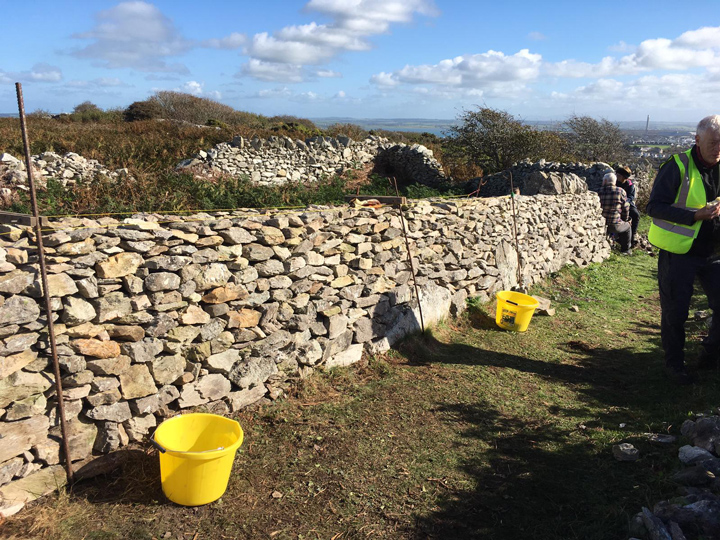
610	179
709	123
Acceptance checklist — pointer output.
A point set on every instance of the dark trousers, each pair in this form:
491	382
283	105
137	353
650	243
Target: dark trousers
634	220
622	233
676	276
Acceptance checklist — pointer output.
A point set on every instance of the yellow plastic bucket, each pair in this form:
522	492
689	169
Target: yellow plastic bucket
514	310
196	455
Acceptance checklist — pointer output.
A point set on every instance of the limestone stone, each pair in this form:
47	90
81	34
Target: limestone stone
168	263
136	382
139	426
195	315
243	398
80	438
143	351
167	369
88	287
25	408
10	469
119	265
14	363
20	385
114	305
109	366
126	332
108	397
224	361
236	235
15	282
214	275
257	252
244	318
19	437
345	358
213	386
19	342
162	281
220	295
97	348
190	397
17	494
252	371
19	310
77	311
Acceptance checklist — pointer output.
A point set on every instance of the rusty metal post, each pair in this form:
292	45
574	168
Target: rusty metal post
517	243
46	290
410	260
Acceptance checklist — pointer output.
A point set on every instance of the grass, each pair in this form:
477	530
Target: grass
464	432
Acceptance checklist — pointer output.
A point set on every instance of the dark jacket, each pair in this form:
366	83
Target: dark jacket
662	197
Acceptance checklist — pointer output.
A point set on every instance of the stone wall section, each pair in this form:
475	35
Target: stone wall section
277	160
546	177
160	314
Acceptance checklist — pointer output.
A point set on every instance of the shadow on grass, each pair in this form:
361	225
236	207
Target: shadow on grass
545	479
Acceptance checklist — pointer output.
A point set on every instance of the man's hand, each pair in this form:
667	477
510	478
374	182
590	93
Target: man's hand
710	211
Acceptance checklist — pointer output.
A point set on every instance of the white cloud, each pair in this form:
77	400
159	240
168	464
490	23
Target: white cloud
537	36
101	82
693	49
675	92
134	35
468	71
340	95
233	41
272	71
40	72
353	22
196	88
328	74
44	73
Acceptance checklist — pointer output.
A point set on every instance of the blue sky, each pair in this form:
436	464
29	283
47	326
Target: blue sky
620	60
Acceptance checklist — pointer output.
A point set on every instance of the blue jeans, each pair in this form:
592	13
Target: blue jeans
676	276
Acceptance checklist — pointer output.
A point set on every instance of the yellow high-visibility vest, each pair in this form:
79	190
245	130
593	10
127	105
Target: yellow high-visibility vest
675	237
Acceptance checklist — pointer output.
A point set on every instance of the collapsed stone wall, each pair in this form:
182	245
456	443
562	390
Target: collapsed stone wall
545	177
159	314
68	169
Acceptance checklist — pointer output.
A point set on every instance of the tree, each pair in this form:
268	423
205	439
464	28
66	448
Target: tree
494	139
142	110
86	107
593	140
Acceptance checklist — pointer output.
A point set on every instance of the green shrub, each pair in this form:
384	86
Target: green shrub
142	110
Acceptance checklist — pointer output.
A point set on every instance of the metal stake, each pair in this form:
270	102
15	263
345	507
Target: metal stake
412	266
517	243
46	290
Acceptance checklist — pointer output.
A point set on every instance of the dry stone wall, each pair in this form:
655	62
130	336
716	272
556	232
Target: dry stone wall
546	177
160	314
277	160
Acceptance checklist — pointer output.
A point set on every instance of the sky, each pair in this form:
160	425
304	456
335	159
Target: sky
618	60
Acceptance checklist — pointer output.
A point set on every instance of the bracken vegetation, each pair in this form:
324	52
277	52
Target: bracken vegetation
150	137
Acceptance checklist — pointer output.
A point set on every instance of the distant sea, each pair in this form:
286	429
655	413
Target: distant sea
418	125
440	127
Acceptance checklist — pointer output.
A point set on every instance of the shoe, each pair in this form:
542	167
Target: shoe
626	252
680	376
707	361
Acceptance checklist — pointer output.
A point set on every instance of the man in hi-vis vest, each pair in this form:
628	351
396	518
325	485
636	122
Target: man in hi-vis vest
685	227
